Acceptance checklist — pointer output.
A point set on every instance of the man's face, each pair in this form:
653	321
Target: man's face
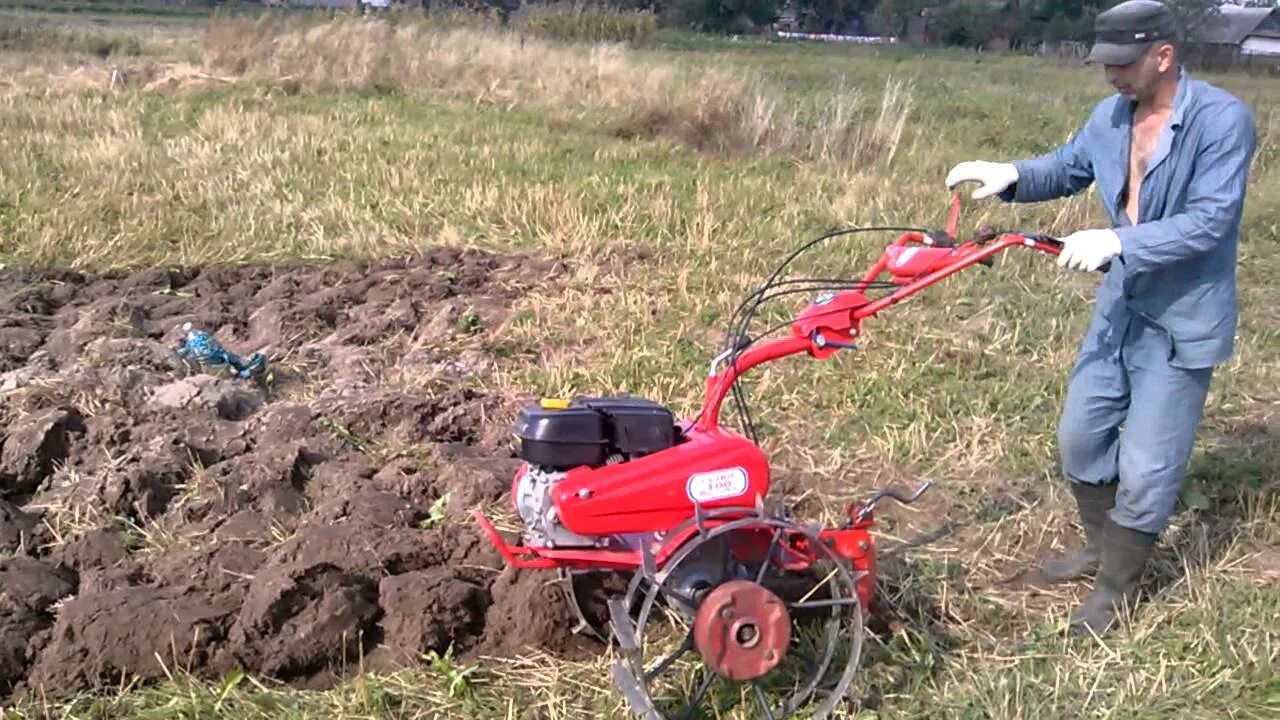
1137	80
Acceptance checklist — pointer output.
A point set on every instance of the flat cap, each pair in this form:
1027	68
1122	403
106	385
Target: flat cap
1123	33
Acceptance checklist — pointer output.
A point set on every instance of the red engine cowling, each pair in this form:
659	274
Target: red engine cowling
654	493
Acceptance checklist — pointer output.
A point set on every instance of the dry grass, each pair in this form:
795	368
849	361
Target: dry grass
584	23
673	182
710	108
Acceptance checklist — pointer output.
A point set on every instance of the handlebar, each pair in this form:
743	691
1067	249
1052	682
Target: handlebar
985	235
1050	240
833	321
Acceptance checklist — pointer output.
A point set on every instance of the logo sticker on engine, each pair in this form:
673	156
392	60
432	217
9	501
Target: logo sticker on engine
717	484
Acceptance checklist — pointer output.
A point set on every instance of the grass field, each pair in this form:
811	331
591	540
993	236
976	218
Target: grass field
671	177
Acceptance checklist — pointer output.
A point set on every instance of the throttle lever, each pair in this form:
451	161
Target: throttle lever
985	235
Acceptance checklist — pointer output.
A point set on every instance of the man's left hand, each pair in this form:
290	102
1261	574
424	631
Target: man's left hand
1088	250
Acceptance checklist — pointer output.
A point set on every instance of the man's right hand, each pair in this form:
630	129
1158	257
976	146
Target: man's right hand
995	177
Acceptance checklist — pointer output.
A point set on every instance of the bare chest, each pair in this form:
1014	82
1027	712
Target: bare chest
1143	139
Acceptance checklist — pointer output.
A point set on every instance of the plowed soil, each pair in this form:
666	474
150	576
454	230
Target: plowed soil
293	525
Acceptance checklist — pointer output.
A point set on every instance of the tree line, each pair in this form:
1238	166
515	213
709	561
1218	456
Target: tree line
973	23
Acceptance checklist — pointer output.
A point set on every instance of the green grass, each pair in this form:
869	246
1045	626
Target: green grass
666	229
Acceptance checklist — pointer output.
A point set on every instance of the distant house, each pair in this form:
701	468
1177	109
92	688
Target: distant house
793	19
1002	18
1236	35
788	19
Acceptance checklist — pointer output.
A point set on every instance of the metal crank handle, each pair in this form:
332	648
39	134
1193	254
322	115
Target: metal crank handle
907	500
865	507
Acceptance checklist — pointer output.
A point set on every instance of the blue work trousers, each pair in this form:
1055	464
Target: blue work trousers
1131	416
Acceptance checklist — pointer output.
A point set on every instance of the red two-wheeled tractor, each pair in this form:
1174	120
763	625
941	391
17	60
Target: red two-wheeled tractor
766	609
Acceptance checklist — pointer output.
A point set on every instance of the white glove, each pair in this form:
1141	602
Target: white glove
1088	250
995	177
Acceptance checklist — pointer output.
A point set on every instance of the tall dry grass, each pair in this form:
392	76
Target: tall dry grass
27	36
575	23
709	108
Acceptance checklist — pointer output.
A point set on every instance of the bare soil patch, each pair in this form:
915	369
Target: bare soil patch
156	515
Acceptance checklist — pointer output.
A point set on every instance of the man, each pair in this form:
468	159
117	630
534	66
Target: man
1170	156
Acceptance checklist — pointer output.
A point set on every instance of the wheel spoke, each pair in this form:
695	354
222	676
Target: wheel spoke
768	555
696	700
815	604
666	662
764	704
726	559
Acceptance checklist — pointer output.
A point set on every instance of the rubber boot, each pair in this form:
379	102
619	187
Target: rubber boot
1124	557
1093	503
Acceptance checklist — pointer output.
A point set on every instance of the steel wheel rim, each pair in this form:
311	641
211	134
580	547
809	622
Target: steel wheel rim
839	579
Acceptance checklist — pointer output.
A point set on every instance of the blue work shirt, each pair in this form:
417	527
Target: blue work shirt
1177	267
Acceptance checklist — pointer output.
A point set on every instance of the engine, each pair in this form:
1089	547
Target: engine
533	502
556	436
562	434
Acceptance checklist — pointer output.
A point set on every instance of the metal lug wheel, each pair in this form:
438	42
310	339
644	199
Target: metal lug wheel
779	627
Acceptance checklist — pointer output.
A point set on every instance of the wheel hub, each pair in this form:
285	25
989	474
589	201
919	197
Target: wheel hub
742	630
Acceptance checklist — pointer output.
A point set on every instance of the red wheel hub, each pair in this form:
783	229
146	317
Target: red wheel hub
742	630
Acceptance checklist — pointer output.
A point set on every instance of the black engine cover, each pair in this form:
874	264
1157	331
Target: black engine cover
587	431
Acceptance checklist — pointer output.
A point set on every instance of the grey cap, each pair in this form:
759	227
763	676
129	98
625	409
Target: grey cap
1123	33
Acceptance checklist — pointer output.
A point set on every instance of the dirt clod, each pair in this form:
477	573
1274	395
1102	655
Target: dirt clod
102	637
533	610
19	530
305	619
31	447
230	401
454	618
98	548
17	631
27	584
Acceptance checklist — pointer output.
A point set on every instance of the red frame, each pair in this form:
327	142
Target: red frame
651	495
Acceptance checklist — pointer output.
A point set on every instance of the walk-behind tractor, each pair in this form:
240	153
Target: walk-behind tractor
765	609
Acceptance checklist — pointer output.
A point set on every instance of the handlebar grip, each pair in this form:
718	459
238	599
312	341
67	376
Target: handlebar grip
1058	243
